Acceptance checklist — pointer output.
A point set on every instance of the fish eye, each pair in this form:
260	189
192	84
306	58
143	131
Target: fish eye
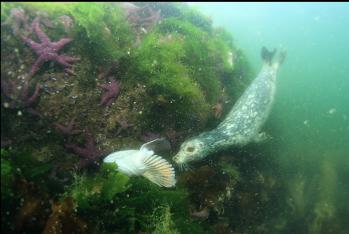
190	149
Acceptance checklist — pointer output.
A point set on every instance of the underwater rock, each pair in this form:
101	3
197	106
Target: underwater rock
166	89
218	109
63	219
207	186
32	213
201	214
149	136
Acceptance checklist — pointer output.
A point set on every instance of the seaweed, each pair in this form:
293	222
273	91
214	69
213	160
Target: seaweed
163	221
91	191
7	176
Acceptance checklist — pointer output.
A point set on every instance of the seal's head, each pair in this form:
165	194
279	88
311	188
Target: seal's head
191	150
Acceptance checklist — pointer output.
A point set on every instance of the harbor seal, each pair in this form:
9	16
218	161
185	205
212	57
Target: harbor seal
243	123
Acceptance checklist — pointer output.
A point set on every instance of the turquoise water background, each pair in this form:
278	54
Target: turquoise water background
309	122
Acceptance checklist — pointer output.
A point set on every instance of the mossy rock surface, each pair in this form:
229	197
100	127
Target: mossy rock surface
181	61
173	66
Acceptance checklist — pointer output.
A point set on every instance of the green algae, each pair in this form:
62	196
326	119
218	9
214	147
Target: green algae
169	81
91	191
126	203
7	175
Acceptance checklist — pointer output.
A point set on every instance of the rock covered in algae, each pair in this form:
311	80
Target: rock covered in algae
174	66
180	64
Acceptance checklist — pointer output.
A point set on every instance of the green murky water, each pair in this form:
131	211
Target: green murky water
176	81
310	119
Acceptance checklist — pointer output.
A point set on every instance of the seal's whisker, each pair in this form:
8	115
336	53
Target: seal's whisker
188	167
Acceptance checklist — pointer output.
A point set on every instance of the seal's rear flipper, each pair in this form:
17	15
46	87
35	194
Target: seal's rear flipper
267	55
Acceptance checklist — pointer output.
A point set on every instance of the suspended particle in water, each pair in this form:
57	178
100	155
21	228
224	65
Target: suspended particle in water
332	111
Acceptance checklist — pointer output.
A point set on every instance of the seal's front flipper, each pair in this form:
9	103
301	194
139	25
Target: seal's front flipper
159	171
262	137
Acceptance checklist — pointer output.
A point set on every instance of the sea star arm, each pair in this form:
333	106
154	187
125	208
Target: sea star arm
32	44
110	102
104	100
7	87
35	95
25	90
68	130
37	65
104	86
77	150
61	43
41	35
63	61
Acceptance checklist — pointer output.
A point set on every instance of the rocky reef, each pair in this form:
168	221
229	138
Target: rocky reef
81	80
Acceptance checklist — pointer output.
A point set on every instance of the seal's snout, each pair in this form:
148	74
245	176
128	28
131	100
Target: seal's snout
176	159
179	159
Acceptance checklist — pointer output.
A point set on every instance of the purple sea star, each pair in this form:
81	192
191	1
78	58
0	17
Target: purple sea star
68	130
89	154
124	125
22	100
141	18
112	90
153	18
67	22
130	8
48	50
18	21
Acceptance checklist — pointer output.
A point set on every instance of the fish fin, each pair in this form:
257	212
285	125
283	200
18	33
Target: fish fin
267	55
159	171
157	145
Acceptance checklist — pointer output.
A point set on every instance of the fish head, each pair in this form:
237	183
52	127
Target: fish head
190	150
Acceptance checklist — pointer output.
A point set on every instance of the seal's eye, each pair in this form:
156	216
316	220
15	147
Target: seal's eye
190	149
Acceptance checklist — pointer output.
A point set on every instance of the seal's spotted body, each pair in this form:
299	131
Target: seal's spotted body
244	121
